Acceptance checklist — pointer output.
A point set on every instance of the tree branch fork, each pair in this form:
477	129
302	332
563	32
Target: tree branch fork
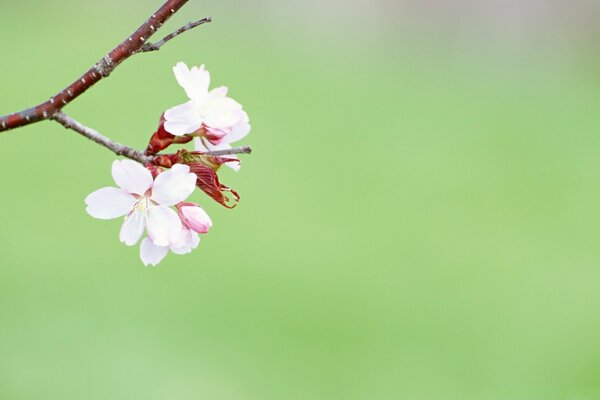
137	42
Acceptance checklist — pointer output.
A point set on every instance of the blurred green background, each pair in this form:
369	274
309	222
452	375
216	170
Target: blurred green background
419	220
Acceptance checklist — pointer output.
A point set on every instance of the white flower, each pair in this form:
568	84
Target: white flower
152	254
219	119
145	202
194	220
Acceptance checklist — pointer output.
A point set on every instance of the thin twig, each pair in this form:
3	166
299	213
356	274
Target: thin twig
126	151
94	135
234	150
157	45
130	46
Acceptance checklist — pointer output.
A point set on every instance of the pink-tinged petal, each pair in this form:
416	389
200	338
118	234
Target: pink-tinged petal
185	242
215	135
222	113
182	119
173	186
152	254
109	203
132	228
194	81
194	217
164	225
131	176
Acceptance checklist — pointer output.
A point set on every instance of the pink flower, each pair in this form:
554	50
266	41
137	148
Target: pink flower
144	201
219	119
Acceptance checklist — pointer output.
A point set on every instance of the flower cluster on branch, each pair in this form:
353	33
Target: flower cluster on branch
146	194
153	186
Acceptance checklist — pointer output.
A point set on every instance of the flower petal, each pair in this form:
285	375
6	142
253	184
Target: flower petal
194	81
152	254
195	240
182	119
132	228
199	145
222	112
109	203
164	225
173	186
221	91
131	176
239	130
185	243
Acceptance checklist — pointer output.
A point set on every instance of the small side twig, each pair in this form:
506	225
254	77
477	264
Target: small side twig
233	150
157	45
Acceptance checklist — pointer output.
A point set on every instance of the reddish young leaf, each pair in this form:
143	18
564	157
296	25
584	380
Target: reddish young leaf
208	181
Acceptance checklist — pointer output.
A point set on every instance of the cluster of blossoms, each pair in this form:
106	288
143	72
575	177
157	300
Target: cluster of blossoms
152	197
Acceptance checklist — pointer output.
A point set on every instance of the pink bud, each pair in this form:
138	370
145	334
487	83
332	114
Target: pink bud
194	217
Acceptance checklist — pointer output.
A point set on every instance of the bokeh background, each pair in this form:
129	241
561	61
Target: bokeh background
419	220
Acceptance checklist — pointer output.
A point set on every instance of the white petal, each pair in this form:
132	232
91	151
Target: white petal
132	228
199	145
222	112
152	254
239	130
173	186
182	119
195	240
184	244
221	91
164	225
131	176
109	203
194	81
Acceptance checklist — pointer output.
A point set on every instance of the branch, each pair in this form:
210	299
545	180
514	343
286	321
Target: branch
130	46
135	43
126	151
157	45
94	135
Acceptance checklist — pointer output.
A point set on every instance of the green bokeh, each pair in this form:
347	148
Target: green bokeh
415	223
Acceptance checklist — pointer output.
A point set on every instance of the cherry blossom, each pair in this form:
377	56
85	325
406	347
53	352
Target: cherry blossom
218	119
194	220
152	254
144	201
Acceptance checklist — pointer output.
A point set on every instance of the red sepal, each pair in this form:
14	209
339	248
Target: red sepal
161	139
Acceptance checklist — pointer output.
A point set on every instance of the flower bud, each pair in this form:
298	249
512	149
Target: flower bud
194	217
